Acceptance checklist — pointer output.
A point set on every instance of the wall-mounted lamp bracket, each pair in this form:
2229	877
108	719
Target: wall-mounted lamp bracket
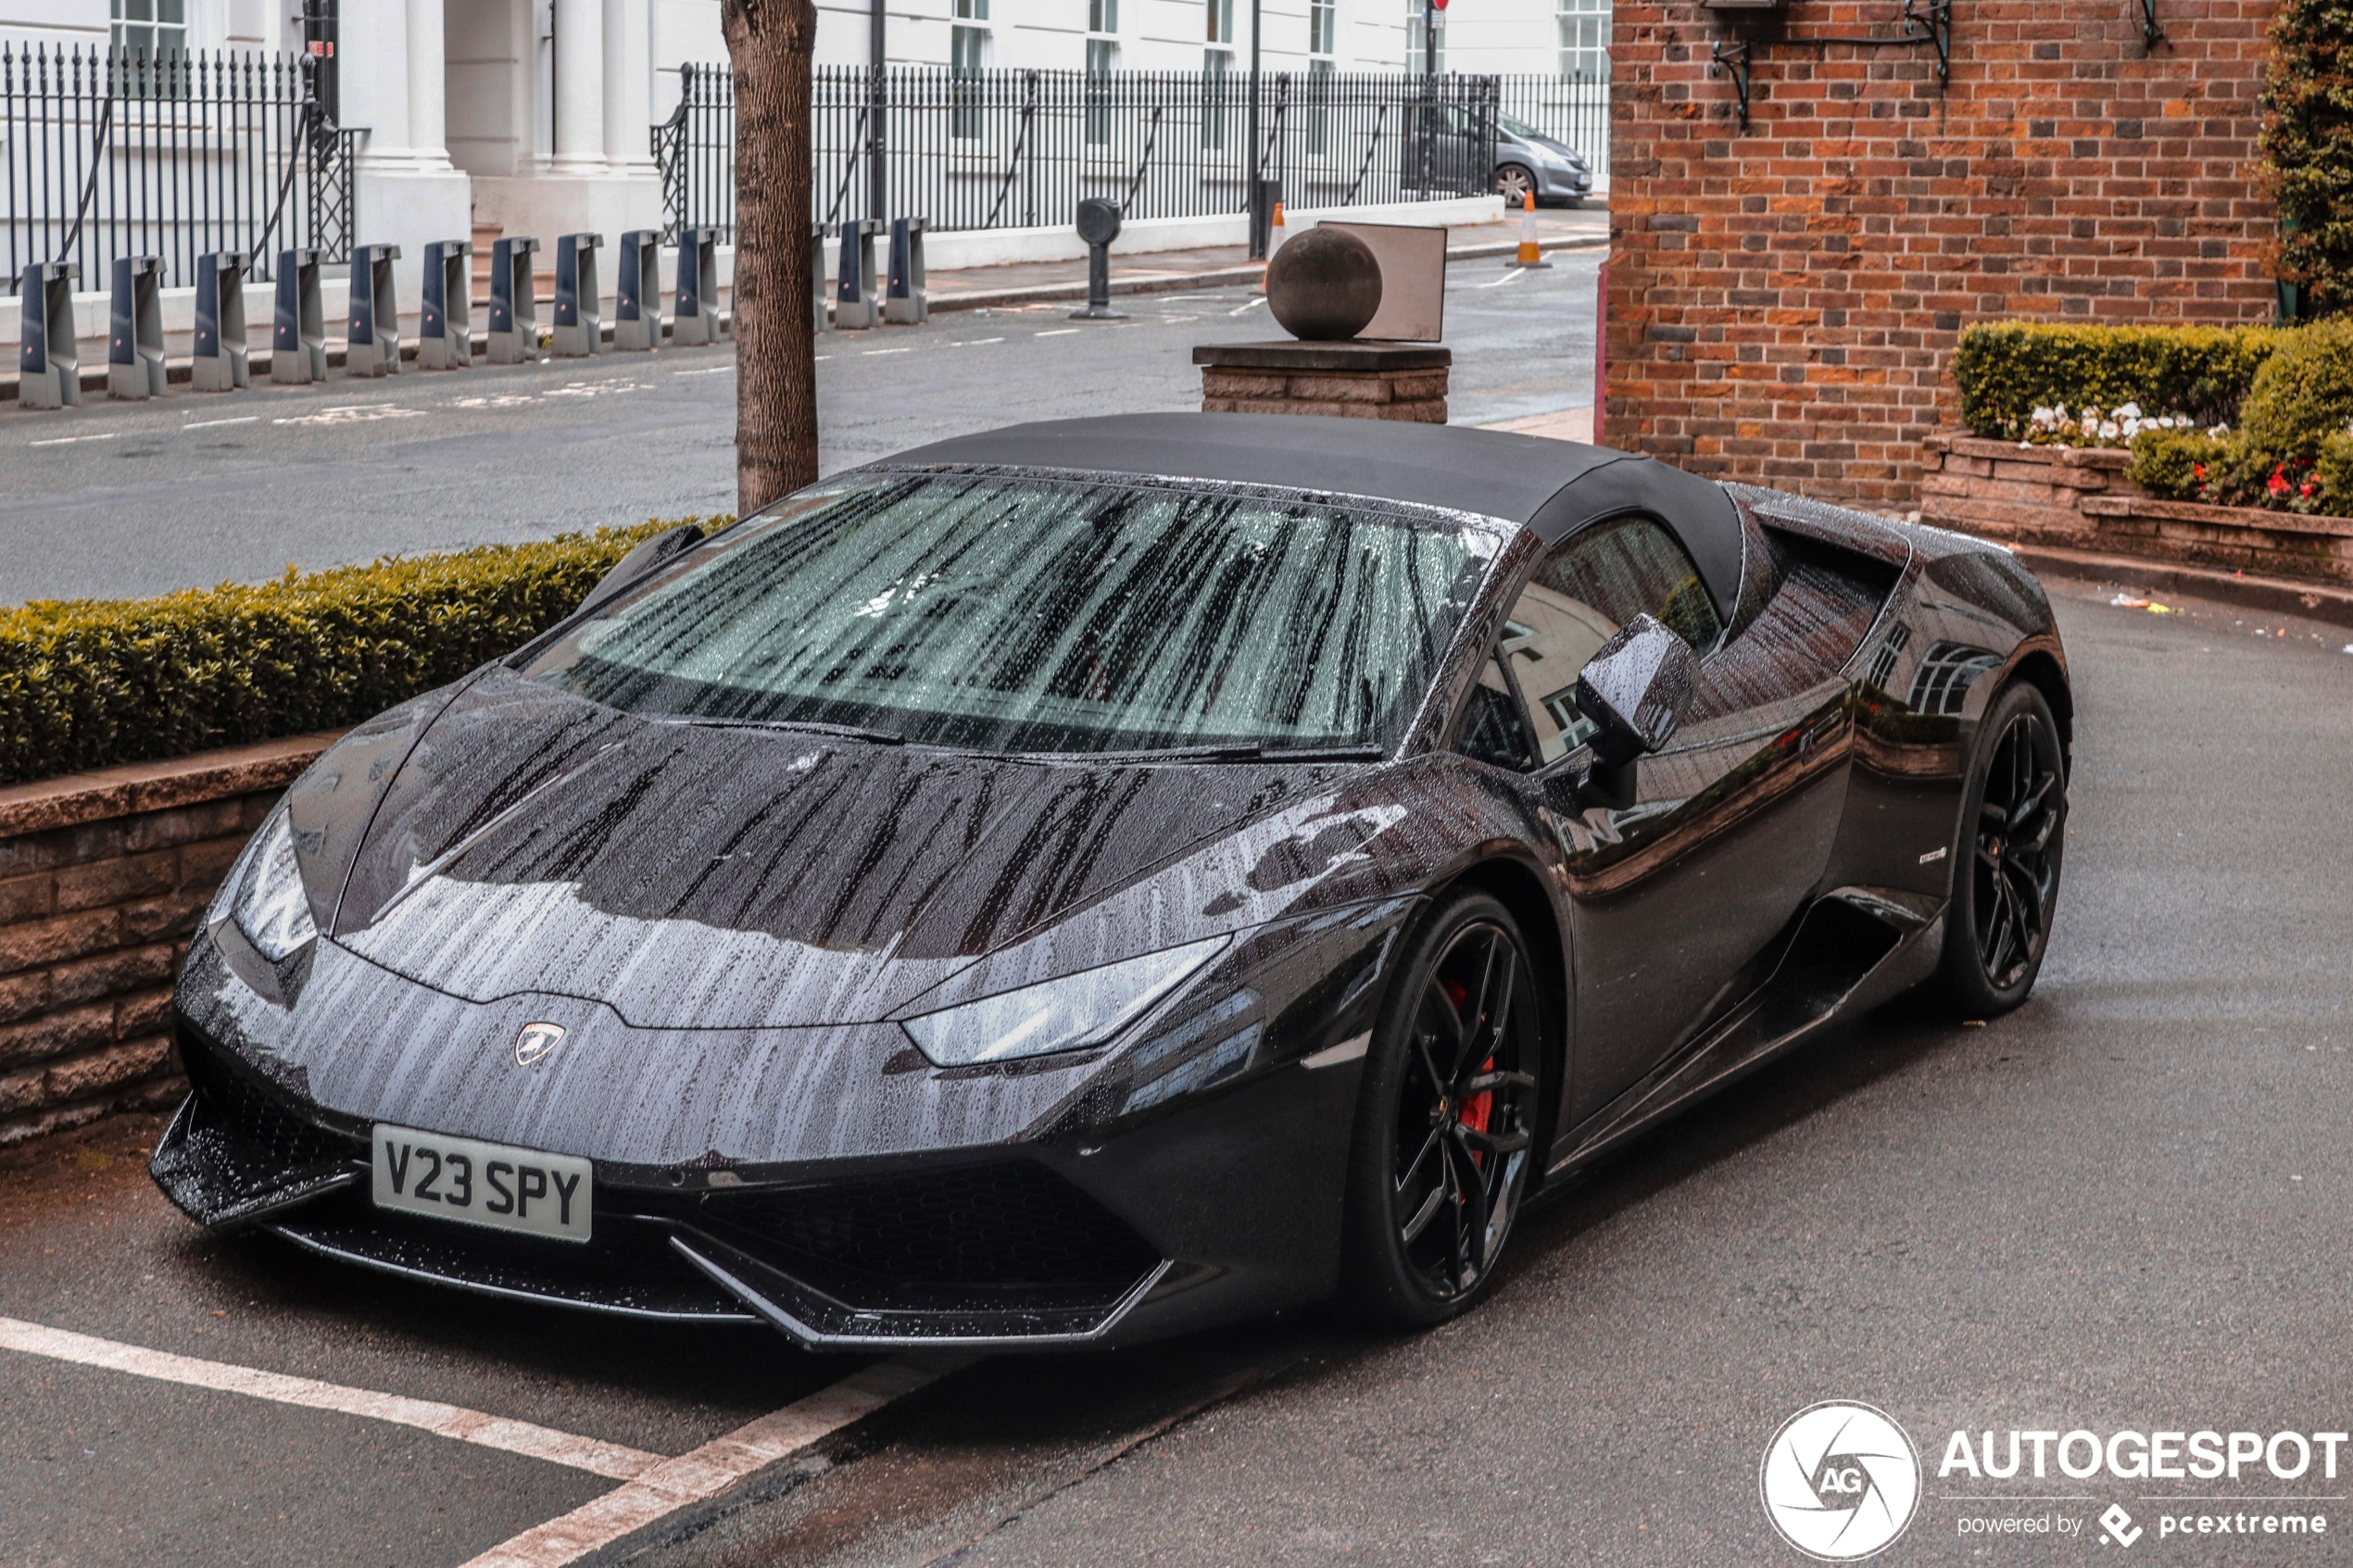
1735	57
2152	30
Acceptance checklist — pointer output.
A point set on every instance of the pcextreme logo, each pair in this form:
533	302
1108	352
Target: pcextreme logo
1840	1480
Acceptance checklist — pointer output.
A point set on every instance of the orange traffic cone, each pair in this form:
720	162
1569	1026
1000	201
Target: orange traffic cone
1530	254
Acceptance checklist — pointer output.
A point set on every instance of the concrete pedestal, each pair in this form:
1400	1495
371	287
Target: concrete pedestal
1355	380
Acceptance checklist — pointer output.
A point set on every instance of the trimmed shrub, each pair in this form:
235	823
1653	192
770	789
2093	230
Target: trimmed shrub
2006	370
2334	470
94	683
2178	464
2302	395
2308	146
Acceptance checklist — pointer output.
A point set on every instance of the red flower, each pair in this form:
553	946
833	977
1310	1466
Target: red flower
2277	483
2199	470
2305	488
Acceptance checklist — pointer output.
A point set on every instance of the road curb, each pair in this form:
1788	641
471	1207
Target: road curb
2279	595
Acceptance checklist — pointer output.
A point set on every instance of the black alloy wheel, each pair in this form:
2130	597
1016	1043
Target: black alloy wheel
2005	874
1446	1118
1513	183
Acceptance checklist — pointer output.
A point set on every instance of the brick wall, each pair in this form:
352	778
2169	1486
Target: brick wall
1782	302
103	879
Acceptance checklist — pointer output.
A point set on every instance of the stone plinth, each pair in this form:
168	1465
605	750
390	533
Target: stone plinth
1354	380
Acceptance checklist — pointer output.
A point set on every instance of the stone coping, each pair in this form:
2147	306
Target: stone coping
75	799
1355	354
1961	444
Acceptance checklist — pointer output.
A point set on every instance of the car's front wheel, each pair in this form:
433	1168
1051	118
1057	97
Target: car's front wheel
1513	183
2005	873
1446	1118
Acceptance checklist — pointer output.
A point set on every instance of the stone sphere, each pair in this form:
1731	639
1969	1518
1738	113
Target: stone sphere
1324	286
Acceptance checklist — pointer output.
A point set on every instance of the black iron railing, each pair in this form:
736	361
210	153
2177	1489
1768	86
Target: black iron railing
106	152
1570	109
1020	148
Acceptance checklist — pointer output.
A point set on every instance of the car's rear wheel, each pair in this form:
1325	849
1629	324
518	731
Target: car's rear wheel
2005	874
1446	1118
1513	183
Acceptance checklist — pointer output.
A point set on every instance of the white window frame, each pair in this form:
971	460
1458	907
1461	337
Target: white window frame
1583	29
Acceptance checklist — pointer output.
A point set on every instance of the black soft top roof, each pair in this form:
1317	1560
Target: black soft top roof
1555	488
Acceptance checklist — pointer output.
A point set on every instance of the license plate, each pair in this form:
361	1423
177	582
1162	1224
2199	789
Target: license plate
482	1183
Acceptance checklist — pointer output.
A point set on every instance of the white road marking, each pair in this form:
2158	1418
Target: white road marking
353	413
208	424
1513	276
706	371
1060	332
974	342
69	440
1252	306
718	1464
444	1421
870	353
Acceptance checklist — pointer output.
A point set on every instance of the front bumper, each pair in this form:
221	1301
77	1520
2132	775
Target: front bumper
1224	1210
1556	183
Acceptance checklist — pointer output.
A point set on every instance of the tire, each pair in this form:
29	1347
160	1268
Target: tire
2005	857
1513	182
1437	1177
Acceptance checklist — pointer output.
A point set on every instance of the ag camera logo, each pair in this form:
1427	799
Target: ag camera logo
1840	1480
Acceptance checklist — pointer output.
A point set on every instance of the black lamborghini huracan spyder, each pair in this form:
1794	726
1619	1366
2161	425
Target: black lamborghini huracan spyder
1093	879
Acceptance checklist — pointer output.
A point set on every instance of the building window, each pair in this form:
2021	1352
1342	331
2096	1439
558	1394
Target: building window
1103	58
153	27
1584	39
967	57
1319	105
1221	23
1418	15
1103	15
1215	108
1323	25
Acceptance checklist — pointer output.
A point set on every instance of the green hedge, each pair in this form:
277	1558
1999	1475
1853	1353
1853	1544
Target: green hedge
90	683
2006	370
2291	450
2307	148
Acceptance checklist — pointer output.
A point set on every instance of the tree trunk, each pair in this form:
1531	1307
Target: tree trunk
769	42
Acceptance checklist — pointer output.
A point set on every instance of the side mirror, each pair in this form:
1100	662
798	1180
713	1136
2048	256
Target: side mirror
659	550
1635	689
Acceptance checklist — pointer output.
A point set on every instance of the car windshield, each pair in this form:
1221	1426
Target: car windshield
1017	614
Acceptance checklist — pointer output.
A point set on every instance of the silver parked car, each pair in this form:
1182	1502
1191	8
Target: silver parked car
1527	159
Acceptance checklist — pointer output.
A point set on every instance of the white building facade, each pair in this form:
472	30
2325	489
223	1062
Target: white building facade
534	116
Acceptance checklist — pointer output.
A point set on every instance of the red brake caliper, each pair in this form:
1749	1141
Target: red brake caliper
1475	1110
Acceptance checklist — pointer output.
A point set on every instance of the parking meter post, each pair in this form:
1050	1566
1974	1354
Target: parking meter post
854	303
906	299
49	356
299	325
444	329
222	362
135	337
372	347
514	302
579	327
695	316
636	294
1099	222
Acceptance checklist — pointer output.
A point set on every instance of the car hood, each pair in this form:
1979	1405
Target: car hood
692	875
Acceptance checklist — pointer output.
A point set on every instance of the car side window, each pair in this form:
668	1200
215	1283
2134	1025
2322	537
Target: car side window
1492	728
1595	582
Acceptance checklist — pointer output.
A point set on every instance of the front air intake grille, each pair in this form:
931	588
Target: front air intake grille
1010	1223
257	1114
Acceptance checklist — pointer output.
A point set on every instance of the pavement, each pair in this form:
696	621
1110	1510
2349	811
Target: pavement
2122	1207
124	500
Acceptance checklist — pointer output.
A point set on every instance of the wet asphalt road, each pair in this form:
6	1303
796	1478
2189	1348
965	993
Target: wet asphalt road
2123	1206
123	501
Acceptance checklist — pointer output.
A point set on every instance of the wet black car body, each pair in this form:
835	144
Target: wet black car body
740	928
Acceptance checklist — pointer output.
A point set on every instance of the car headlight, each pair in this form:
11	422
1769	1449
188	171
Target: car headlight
1068	1014
264	894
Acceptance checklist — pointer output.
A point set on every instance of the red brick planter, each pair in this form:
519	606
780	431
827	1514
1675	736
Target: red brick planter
2079	499
103	879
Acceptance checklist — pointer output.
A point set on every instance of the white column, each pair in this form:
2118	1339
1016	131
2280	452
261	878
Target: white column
628	105
580	87
428	88
374	71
